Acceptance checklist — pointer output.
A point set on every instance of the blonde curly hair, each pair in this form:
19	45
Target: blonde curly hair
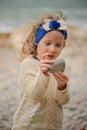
28	47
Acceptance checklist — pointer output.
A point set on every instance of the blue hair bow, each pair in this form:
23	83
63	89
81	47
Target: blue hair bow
48	26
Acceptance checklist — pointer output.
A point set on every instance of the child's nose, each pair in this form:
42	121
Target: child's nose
52	48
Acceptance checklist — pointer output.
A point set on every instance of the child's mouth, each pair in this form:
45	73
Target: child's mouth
51	56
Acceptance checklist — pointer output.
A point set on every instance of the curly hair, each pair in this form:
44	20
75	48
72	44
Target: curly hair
28	47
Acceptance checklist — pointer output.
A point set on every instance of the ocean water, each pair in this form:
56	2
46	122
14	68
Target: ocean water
14	13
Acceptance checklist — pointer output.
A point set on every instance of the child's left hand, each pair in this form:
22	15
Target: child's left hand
61	79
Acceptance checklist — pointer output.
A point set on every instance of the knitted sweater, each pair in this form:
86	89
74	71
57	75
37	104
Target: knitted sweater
40	106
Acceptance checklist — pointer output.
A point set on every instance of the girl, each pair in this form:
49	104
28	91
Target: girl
42	93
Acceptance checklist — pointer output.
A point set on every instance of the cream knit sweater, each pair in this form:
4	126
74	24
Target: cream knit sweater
40	106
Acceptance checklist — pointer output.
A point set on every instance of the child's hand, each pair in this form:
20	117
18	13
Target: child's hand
62	80
45	64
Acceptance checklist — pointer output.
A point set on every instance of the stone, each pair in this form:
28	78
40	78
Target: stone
58	65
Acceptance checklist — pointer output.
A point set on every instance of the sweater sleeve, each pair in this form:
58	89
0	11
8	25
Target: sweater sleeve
34	82
63	96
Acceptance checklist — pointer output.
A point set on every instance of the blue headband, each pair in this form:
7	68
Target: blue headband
50	25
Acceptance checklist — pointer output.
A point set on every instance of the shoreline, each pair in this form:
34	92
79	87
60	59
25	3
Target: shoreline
10	29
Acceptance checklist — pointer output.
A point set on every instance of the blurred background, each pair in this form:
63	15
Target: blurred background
15	13
15	16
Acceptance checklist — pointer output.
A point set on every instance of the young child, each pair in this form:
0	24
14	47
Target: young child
42	93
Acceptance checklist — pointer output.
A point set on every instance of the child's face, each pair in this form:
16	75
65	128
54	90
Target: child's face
52	43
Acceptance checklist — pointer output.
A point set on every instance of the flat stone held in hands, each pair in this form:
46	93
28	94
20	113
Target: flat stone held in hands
58	65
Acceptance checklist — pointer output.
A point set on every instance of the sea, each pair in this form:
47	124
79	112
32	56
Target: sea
14	13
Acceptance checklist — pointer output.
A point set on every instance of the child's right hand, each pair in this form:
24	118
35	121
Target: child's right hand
45	64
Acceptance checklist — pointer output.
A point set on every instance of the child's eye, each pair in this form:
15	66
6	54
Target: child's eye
48	43
58	45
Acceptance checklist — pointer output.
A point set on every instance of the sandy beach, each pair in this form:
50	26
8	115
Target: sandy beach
75	54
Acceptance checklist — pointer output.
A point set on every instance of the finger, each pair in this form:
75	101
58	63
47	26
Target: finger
62	79
47	61
47	66
59	77
44	69
63	75
56	77
44	56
